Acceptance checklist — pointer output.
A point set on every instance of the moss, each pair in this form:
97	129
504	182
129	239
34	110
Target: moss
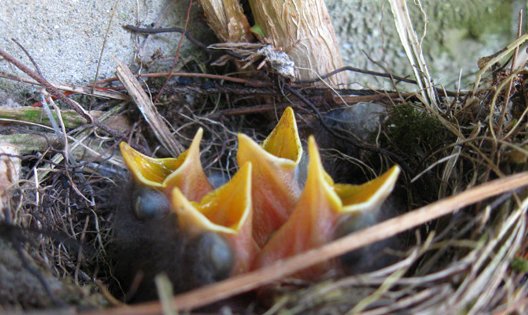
519	264
414	131
33	114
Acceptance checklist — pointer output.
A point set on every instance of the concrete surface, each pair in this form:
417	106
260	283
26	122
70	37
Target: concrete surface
459	32
66	37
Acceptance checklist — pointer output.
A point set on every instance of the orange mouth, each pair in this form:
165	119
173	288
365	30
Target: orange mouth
275	190
262	212
184	172
226	211
314	218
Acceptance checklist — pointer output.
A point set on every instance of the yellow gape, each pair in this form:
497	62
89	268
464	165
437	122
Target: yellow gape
226	211
262	213
184	172
275	190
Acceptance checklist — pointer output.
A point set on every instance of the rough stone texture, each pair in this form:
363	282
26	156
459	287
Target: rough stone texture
459	32
66	37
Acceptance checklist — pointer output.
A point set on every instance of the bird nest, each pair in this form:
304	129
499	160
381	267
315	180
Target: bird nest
459	210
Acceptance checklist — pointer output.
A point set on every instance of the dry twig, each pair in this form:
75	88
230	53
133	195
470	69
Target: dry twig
147	108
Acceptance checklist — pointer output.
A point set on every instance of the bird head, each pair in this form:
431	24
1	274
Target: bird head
264	213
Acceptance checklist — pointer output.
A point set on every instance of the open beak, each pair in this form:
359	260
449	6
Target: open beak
367	197
262	206
275	189
316	214
226	211
311	222
184	172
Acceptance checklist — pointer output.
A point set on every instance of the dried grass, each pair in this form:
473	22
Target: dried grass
461	262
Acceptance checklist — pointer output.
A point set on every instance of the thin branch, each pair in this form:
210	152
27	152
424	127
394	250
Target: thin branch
149	111
358	70
180	30
58	94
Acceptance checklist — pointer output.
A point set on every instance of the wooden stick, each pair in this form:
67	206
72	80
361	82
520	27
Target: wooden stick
304	30
70	118
281	269
149	111
227	20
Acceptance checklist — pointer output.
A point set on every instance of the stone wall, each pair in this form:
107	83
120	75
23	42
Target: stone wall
66	38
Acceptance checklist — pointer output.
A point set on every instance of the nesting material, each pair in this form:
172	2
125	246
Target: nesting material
260	211
9	173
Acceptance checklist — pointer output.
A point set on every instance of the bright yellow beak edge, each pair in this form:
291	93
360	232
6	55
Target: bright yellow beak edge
184	172
369	196
284	141
145	170
275	190
227	211
190	177
311	223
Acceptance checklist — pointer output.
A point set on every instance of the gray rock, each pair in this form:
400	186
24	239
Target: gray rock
66	38
459	32
362	120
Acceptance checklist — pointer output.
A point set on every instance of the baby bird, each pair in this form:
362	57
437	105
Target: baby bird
147	241
277	205
375	256
361	121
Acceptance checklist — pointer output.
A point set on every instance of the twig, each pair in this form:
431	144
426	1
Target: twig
248	110
147	108
99	91
58	94
43	95
344	93
281	269
494	59
177	53
34	114
512	70
252	83
181	30
29	56
413	50
103	46
29	143
358	70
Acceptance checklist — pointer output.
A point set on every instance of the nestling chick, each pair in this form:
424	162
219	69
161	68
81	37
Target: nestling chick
147	241
361	121
274	207
208	259
375	256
